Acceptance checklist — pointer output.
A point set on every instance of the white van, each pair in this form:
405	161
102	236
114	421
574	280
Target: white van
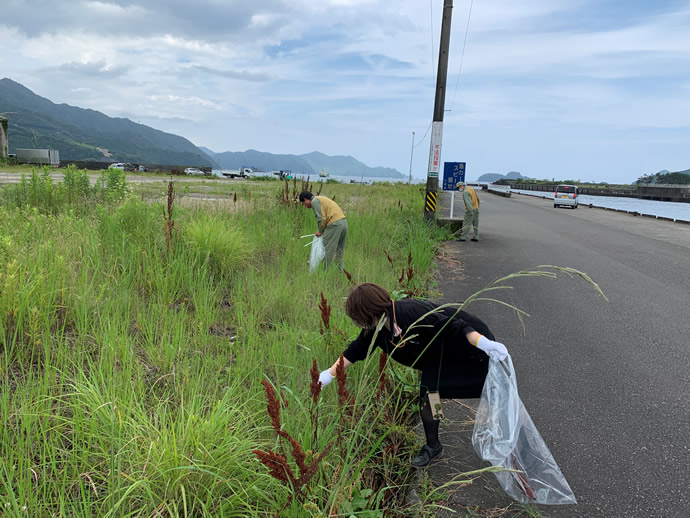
565	195
117	165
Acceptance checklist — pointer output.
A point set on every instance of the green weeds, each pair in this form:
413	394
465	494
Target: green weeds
75	192
134	336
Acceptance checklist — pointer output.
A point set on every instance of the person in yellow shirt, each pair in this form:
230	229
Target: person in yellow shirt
471	218
331	224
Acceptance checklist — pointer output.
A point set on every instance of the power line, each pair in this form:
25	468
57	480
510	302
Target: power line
431	32
433	71
425	134
462	56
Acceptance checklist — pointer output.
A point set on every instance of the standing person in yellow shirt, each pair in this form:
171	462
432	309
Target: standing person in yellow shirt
471	200
331	223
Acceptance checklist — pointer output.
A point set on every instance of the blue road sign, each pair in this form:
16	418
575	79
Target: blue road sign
453	172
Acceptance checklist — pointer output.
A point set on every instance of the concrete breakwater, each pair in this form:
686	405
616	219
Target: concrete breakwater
679	193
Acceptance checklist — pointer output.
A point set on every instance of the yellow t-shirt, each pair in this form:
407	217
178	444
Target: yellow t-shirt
330	212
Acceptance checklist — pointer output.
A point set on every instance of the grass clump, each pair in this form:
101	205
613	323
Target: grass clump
214	242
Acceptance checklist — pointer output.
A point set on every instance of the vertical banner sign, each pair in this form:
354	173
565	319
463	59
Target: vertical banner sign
453	172
435	152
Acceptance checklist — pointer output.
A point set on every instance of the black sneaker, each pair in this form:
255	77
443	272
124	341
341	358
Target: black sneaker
474	239
461	239
426	455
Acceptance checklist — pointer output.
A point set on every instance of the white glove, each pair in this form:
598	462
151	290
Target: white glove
325	378
495	350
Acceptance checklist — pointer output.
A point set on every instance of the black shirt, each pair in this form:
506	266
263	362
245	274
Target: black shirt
420	345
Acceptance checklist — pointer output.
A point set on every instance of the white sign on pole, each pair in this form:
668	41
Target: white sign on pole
435	151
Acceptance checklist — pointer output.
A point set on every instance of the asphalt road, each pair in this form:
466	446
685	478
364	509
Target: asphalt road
606	383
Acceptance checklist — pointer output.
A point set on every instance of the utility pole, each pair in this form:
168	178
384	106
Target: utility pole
437	124
409	182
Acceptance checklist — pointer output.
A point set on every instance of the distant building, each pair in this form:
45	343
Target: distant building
3	137
38	156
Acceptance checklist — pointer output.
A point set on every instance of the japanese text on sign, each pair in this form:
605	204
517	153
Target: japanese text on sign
453	172
435	152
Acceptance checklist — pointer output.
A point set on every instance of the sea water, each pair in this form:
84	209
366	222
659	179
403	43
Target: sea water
664	209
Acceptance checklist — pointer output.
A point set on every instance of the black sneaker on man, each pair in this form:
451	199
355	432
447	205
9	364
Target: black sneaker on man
426	455
461	239
474	239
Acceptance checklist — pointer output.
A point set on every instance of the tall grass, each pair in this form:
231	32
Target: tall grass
135	337
75	192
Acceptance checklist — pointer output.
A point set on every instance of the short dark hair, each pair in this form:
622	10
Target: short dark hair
305	195
366	303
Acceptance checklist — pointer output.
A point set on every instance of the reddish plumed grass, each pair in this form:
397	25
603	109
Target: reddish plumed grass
315	389
277	463
273	406
383	359
169	222
344	397
410	268
315	386
325	315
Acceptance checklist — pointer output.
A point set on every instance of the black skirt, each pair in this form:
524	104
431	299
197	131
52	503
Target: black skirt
457	378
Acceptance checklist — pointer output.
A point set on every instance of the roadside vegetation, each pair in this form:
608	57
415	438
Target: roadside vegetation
159	352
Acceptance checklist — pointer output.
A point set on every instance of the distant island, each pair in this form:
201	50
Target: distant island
90	136
494	177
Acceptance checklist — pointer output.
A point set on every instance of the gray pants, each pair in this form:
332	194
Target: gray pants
334	239
471	220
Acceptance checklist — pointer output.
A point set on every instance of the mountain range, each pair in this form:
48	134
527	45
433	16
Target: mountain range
88	135
308	164
82	134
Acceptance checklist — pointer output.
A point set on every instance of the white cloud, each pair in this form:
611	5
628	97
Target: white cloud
352	77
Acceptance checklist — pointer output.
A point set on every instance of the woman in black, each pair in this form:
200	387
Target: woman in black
450	347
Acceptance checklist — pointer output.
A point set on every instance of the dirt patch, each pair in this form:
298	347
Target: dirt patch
222	329
228	205
450	262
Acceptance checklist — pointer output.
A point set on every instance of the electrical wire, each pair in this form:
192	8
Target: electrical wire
462	56
425	134
431	31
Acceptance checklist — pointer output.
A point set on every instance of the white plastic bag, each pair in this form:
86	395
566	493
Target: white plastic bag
318	252
504	435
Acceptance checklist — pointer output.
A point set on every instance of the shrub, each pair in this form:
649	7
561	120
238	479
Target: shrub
215	242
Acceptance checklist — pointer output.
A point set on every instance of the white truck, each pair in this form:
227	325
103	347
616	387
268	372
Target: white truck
242	172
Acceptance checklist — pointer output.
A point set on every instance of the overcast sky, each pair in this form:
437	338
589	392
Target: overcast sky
590	90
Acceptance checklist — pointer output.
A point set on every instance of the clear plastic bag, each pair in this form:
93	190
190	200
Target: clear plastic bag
504	435
318	252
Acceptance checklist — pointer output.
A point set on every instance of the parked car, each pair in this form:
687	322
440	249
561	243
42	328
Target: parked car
565	195
117	165
193	170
